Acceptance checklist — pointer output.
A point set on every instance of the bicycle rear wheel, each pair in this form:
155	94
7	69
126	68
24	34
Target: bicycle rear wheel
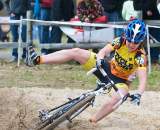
72	110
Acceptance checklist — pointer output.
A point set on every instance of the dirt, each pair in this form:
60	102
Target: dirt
19	110
24	91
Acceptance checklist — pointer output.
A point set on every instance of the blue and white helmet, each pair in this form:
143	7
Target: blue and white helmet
136	31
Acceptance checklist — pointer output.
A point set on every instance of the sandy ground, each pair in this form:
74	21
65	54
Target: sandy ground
19	110
19	107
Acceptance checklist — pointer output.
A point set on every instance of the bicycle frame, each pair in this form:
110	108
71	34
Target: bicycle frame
109	85
74	107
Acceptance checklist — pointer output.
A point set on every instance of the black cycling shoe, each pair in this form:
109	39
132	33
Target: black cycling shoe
32	58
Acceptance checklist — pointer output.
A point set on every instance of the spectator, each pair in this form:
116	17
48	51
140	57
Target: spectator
4	30
45	14
158	6
89	10
150	12
36	8
1	32
128	11
1	5
113	9
62	10
17	8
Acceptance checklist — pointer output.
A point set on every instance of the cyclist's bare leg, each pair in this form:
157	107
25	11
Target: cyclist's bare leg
62	56
107	108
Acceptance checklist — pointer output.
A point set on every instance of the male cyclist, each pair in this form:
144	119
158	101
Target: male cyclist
128	58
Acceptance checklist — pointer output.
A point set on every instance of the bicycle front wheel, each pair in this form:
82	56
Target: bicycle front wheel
73	109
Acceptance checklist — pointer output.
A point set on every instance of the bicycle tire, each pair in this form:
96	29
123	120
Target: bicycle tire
41	125
70	112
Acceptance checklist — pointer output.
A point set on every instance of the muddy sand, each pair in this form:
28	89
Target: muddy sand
19	110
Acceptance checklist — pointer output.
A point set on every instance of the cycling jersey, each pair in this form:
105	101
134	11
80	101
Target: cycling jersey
124	62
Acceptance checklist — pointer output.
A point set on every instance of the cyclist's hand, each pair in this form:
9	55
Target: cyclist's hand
135	98
99	63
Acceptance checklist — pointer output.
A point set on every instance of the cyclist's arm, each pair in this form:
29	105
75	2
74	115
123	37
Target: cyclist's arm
105	51
142	76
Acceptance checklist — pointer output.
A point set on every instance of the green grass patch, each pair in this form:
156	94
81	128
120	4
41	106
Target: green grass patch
153	80
59	76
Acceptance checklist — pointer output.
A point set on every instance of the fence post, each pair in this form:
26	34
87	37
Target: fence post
29	33
20	40
29	30
148	50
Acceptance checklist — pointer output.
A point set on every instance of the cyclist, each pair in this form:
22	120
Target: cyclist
128	58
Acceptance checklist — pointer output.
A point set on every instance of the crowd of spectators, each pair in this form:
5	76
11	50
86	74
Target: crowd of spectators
150	12
64	10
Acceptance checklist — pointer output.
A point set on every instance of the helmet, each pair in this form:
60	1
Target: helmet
136	31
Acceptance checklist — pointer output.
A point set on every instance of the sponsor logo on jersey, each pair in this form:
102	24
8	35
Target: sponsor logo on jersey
122	62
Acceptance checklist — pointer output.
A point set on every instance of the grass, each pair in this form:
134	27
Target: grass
152	81
58	76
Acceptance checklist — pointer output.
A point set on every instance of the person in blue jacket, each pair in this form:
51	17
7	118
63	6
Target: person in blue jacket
17	8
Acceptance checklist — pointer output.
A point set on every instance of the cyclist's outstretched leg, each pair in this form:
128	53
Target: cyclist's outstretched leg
59	57
109	106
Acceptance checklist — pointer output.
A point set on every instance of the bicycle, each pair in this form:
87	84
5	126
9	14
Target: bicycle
68	111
